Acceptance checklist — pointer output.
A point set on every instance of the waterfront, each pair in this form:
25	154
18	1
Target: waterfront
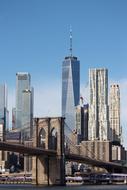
85	187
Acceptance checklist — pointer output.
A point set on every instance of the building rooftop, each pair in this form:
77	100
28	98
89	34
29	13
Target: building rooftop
71	57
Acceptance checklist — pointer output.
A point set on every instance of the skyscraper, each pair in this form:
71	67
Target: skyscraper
114	112
86	117
3	107
24	102
27	114
4	121
13	118
82	122
98	104
70	87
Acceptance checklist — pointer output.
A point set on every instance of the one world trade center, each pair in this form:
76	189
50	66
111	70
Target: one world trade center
70	87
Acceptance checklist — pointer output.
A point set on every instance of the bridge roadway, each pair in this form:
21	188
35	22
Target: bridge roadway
52	153
98	163
20	148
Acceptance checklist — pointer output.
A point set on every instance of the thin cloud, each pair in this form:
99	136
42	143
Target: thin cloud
47	100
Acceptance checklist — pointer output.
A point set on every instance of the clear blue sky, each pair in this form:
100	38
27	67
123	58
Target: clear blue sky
34	37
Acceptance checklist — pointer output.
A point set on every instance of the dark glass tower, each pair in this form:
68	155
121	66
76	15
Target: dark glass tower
70	89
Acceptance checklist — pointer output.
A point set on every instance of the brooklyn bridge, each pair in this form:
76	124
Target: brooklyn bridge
52	145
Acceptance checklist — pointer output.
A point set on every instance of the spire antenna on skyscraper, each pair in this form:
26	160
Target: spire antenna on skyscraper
70	41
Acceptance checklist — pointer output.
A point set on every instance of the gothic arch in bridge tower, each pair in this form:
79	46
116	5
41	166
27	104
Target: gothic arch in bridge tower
42	138
53	139
43	129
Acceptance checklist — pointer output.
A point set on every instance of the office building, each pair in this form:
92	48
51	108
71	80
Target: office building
82	122
70	88
98	105
23	113
13	118
23	81
85	126
79	119
4	114
3	154
27	114
114	113
79	122
99	150
118	153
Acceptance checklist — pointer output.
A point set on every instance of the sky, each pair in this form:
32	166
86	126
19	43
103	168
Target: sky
34	38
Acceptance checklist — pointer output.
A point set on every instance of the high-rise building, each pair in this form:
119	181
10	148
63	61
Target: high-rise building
3	154
98	104
70	87
114	113
27	114
79	122
23	81
23	113
86	118
13	118
82	122
3	107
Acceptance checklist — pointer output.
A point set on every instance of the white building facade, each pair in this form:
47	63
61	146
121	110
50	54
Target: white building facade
114	112
98	127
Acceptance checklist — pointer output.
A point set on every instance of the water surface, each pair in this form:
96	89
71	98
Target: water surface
84	187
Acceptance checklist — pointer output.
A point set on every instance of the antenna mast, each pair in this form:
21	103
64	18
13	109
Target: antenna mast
70	41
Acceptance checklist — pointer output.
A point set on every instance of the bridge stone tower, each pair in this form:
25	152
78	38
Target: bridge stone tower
49	134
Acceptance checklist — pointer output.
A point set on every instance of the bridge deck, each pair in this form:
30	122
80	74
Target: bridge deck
26	150
32	151
93	162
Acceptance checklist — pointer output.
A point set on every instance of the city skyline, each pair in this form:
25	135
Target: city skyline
99	40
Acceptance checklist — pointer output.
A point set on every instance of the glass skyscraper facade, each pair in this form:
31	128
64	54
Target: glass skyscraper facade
23	84
27	114
13	118
70	89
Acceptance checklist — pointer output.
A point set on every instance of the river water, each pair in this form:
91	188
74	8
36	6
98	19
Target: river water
84	187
